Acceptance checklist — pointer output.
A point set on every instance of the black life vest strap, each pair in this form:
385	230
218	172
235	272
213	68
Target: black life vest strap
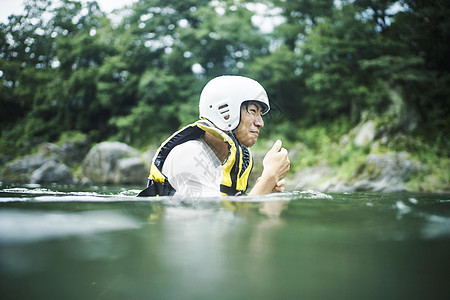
230	190
155	188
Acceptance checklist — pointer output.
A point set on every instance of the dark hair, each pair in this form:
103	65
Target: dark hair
249	102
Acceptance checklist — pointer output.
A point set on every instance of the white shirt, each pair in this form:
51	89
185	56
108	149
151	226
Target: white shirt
194	170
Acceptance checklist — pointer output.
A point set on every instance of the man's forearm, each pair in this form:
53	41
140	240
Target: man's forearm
264	185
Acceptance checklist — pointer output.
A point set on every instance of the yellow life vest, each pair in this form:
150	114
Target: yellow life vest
236	168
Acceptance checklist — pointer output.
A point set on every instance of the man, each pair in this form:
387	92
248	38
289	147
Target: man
211	157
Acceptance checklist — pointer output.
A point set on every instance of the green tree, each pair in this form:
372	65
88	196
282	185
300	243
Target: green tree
424	27
26	55
414	58
300	16
331	58
166	39
147	78
49	71
222	39
65	66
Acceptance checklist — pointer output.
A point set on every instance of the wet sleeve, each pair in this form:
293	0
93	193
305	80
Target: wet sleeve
191	171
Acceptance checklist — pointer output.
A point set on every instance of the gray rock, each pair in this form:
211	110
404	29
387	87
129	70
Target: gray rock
365	133
131	171
310	178
52	172
108	163
335	186
50	150
21	170
148	155
381	173
385	172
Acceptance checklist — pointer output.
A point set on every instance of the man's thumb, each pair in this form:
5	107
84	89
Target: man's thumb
277	146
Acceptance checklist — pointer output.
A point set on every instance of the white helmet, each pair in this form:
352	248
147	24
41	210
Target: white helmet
221	99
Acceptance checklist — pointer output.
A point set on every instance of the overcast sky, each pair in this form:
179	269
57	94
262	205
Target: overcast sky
9	7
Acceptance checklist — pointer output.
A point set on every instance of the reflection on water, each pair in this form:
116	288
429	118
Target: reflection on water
104	243
17	226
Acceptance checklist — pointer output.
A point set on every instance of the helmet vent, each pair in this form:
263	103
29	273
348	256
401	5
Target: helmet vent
224	111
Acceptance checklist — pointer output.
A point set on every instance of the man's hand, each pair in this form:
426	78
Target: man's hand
276	162
279	187
276	165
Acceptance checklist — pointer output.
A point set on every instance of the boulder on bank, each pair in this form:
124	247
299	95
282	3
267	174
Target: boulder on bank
385	172
114	163
19	171
365	133
310	178
30	168
51	172
50	164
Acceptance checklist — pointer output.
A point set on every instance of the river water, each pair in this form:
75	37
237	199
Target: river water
65	242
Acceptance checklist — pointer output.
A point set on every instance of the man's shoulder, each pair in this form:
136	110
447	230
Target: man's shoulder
191	146
193	151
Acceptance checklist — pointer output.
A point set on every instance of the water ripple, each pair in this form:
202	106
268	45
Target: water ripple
17	226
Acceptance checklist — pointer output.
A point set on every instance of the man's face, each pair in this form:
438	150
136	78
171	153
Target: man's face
251	121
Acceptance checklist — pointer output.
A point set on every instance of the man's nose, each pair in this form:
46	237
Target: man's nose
258	121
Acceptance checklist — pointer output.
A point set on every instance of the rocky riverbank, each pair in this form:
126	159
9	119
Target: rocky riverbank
118	163
104	163
380	173
115	163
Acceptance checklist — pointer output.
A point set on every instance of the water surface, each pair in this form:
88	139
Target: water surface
66	242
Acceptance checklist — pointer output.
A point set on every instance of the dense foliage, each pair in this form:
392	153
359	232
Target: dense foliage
65	66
